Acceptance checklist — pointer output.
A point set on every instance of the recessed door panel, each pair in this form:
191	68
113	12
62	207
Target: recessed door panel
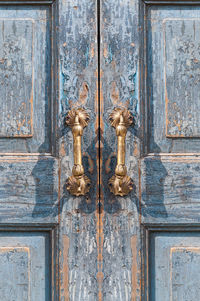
173	64
174	266
25	266
25	79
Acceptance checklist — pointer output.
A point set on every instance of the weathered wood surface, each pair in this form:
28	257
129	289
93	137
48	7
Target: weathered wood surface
119	87
25	261
25	82
101	257
162	93
170	189
28	189
29	183
77	40
174	260
170	180
173	78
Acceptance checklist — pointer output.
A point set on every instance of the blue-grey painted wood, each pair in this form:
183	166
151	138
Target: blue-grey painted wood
150	64
28	189
79	218
25	82
120	87
28	166
173	78
174	266
170	161
25	266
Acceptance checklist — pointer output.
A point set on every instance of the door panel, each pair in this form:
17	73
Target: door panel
173	77
174	264
25	79
170	189
28	189
25	266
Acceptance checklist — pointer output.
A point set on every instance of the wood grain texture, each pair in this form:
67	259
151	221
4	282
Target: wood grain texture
29	174
25	262
28	189
171	64
170	159
76	39
119	86
170	189
174	261
25	79
16	77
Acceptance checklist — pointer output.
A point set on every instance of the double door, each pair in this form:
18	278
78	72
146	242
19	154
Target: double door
99	150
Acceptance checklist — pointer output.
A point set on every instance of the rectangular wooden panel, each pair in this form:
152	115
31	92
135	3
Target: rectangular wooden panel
15	273
16	77
28	189
182	81
25	78
25	266
170	188
185	262
174	259
173	65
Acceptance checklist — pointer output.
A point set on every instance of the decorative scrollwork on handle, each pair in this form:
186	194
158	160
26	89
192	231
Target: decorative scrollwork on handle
78	183
121	184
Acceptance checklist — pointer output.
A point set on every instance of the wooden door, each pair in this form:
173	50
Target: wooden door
140	59
48	66
150	63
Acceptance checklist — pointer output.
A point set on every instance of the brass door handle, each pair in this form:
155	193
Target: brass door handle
121	184
78	183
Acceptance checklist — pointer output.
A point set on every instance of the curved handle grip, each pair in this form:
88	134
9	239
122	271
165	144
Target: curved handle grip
121	184
78	183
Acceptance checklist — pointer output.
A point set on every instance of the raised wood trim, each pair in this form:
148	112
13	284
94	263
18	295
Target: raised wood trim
172	2
31	2
173	156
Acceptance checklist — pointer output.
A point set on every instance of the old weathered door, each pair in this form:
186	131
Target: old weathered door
150	65
48	66
115	215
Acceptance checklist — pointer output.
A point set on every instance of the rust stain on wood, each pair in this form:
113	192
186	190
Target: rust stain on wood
65	269
134	267
83	94
114	94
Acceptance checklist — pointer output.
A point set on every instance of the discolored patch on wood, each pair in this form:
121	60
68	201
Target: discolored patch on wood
15	273
134	270
64	268
182	65
16	77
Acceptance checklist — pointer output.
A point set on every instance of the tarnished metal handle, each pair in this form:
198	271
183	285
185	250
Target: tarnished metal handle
121	184
78	183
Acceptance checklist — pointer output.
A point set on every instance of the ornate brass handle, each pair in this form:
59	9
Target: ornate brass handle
78	183
121	184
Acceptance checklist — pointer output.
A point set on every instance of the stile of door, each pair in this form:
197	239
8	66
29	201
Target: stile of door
47	67
150	64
